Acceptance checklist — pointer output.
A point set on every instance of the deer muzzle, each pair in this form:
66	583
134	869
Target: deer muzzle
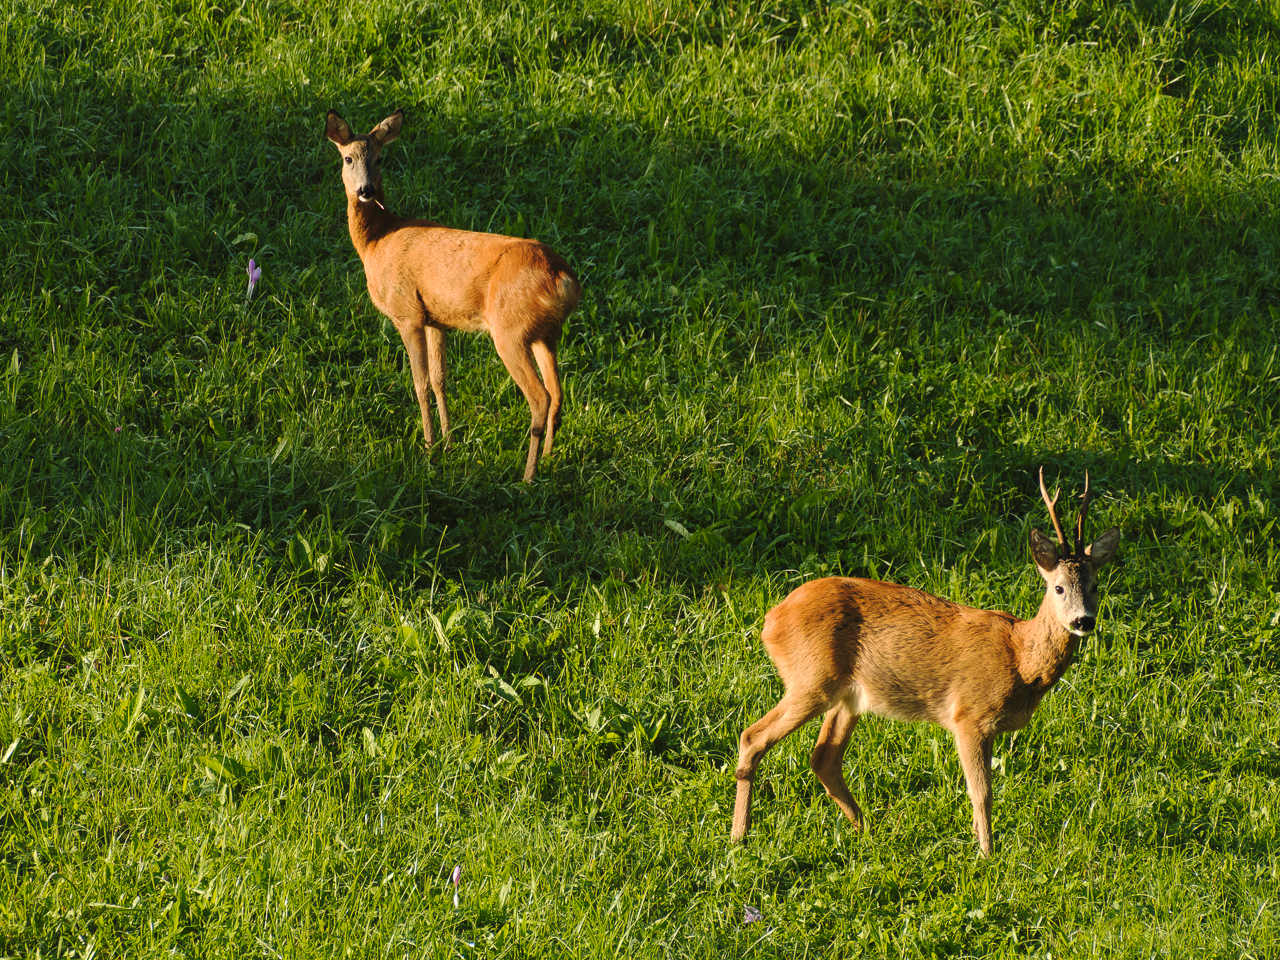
1082	625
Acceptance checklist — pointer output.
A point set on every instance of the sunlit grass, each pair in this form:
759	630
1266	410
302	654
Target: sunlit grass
851	272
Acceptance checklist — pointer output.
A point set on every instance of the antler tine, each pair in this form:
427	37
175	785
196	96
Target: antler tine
1084	512
1051	504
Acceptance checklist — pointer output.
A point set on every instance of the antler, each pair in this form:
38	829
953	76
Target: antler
1084	512
1053	514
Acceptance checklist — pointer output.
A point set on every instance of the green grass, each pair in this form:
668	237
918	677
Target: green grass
851	274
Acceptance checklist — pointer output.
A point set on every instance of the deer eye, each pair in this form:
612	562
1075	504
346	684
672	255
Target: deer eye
1058	589
348	160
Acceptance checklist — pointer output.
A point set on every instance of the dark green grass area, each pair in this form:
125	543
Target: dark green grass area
852	273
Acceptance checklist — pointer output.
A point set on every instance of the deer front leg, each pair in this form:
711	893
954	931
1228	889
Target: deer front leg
975	758
439	370
413	333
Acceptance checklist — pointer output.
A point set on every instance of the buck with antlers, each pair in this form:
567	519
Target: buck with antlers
430	279
848	646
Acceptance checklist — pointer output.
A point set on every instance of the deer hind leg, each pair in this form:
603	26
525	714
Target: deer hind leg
438	365
414	334
828	757
515	354
975	758
545	355
791	713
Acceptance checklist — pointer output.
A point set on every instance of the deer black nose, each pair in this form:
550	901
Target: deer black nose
1083	623
365	192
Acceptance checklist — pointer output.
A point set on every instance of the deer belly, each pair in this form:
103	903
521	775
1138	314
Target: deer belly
468	323
454	315
862	700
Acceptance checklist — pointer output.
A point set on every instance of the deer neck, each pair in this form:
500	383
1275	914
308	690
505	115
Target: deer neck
1045	647
369	221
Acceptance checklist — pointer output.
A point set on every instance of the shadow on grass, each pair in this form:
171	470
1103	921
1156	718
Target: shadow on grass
909	269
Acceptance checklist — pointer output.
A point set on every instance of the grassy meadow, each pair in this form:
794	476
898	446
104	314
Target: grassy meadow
852	273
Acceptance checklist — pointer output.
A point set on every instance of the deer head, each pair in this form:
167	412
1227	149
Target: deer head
1071	578
362	156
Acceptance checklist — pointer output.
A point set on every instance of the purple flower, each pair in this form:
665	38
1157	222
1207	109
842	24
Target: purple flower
118	429
255	272
750	915
456	876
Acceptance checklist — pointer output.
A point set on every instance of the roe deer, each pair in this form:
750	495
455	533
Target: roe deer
849	646
430	279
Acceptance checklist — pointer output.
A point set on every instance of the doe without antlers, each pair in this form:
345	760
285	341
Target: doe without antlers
429	279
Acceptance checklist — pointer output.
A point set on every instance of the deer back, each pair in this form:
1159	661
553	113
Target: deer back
462	278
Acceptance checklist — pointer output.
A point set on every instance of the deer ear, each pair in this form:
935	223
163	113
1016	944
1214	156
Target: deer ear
1102	550
336	129
1044	551
386	132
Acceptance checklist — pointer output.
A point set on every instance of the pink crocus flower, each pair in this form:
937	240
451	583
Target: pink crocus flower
751	915
255	272
456	876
